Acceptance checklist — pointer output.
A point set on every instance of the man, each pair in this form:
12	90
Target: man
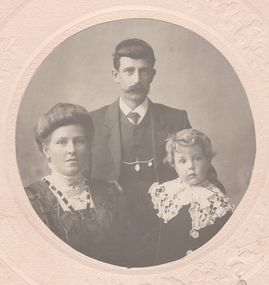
129	145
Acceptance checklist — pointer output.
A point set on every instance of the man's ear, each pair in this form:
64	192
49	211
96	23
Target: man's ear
115	74
153	74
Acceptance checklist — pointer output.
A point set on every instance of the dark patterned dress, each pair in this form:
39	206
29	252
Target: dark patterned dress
94	231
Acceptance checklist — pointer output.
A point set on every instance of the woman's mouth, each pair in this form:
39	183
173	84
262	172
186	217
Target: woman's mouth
72	160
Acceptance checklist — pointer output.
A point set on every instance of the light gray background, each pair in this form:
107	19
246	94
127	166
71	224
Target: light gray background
191	75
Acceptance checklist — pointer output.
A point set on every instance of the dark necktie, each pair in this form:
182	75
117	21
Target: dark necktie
134	116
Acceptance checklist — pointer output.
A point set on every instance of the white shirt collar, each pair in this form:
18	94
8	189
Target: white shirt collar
141	109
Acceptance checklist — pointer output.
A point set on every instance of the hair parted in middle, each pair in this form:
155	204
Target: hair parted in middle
188	137
62	114
133	48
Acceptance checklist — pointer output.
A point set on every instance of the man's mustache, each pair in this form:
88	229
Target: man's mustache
137	87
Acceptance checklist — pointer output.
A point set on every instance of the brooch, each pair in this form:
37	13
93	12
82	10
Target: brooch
194	233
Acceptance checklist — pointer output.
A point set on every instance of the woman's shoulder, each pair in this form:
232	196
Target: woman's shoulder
37	189
103	187
104	192
41	199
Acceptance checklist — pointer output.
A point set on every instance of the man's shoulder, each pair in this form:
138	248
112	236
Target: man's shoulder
169	112
99	111
166	110
99	115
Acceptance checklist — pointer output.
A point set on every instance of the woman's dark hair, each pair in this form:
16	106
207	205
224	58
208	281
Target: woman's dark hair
62	114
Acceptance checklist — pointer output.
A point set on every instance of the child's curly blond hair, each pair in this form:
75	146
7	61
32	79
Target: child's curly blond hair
188	137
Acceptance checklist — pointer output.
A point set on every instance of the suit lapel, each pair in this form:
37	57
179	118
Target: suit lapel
158	134
112	124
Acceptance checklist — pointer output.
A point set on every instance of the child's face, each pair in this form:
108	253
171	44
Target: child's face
191	164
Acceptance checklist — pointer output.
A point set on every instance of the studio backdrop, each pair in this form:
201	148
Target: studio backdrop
191	75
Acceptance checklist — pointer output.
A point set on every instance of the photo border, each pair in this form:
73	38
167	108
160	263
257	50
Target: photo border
227	26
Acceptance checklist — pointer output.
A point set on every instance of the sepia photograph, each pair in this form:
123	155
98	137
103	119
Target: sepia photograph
135	142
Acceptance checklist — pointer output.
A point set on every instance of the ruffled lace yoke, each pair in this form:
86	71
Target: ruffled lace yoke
69	190
206	201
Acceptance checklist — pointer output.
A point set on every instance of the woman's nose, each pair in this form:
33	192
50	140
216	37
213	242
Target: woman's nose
71	147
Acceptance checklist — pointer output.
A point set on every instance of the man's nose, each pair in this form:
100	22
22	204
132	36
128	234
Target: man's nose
136	77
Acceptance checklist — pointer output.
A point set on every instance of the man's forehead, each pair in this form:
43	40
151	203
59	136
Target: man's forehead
128	61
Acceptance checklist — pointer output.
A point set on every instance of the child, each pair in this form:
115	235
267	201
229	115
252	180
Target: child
191	209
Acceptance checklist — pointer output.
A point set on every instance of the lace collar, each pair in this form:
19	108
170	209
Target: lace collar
71	192
206	201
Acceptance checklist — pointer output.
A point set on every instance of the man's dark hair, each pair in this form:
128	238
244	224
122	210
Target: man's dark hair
133	48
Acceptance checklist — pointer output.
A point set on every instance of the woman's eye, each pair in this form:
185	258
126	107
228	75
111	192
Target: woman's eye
62	142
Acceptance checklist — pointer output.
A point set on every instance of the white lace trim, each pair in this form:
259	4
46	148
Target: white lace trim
78	202
206	201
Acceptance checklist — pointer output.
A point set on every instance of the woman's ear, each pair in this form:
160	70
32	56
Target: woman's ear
46	152
209	163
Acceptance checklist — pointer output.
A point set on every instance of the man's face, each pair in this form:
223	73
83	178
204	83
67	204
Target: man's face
134	77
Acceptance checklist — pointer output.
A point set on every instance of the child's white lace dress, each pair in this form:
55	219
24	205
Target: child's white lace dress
206	201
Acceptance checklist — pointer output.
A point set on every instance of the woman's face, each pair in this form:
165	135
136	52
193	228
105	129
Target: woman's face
68	149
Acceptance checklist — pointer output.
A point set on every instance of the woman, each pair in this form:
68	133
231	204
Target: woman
84	214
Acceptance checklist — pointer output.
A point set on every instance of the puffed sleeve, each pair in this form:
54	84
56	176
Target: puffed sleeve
36	197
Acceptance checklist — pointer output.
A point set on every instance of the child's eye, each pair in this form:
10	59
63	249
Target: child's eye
182	161
198	158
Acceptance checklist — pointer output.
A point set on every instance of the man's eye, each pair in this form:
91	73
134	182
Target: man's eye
145	72
129	71
80	142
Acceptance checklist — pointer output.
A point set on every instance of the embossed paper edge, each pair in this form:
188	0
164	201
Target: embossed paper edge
239	29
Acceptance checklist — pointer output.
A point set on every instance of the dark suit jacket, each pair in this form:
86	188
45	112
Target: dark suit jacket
106	149
141	235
